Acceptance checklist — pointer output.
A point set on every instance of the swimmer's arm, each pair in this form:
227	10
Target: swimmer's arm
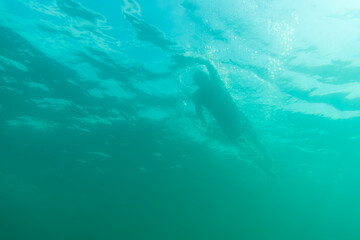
213	73
199	111
186	60
198	108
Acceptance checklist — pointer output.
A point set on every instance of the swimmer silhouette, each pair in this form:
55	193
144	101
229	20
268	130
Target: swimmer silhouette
213	96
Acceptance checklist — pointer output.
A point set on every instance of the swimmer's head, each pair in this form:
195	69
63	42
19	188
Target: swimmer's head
201	78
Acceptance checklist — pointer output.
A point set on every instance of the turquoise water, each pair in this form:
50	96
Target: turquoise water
99	137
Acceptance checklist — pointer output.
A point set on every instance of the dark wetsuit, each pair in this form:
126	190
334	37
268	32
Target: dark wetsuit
217	100
213	95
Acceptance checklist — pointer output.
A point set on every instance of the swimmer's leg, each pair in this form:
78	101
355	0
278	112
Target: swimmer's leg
257	154
245	145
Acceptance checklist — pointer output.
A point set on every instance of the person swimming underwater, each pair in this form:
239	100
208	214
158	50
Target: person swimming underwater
213	96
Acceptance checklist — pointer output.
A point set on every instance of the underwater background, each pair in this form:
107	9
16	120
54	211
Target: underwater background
99	138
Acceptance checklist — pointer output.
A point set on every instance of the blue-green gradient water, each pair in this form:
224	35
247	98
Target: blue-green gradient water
100	139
